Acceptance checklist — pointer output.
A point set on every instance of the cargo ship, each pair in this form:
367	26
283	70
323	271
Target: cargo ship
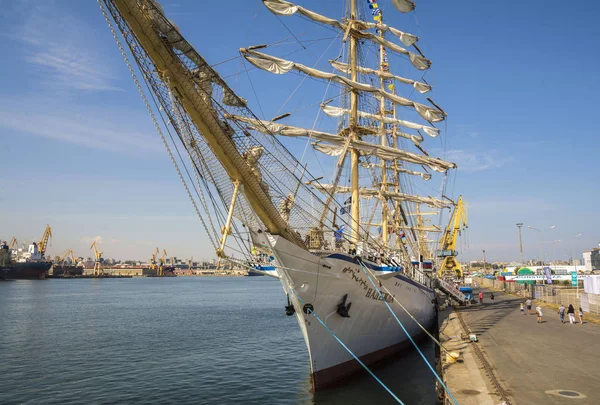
30	267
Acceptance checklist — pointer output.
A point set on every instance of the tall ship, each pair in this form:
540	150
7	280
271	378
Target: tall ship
18	264
342	244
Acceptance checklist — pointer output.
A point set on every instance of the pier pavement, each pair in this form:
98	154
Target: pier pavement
535	363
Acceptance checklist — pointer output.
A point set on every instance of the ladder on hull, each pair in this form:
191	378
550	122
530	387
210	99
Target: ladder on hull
452	291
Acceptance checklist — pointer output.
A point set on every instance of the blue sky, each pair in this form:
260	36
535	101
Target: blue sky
520	85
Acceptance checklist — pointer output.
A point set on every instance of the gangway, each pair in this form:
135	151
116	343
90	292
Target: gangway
452	290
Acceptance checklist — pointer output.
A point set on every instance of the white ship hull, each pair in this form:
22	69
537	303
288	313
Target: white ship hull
371	332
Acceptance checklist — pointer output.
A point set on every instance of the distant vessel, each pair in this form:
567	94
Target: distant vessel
67	270
30	266
263	270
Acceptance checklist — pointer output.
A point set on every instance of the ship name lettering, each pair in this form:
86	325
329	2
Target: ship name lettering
374	294
354	274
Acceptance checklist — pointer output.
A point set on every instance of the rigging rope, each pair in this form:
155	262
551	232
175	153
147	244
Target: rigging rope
348	349
406	332
154	121
305	76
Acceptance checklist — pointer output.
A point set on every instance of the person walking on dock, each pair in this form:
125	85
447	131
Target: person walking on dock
561	313
580	314
492	297
481	297
522	308
538	309
528	303
571	312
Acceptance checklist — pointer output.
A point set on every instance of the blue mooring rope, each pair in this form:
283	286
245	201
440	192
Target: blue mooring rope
348	350
408	334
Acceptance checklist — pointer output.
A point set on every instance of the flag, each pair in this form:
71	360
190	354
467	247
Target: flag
346	207
376	12
374	5
339	233
377	17
403	237
371	1
391	87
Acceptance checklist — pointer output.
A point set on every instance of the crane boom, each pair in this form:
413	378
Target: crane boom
43	243
98	261
12	243
457	223
161	263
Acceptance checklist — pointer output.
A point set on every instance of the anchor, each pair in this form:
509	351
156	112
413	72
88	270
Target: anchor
289	308
343	309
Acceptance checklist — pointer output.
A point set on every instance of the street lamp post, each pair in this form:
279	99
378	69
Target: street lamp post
520	225
540	232
484	266
554	249
572	242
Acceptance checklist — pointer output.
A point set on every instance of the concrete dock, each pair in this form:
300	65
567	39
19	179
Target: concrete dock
527	362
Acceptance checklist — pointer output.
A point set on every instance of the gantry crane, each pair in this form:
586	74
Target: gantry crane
43	243
153	259
98	261
161	264
458	222
12	243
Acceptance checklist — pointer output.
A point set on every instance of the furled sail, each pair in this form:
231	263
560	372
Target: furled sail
277	65
404	6
374	193
281	7
345	68
406	38
338	112
384	152
336	143
203	77
269	127
273	128
424	176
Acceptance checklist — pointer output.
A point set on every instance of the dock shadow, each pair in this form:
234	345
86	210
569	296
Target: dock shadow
497	311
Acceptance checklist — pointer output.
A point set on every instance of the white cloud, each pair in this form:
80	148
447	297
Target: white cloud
88	126
475	161
467	130
88	240
64	50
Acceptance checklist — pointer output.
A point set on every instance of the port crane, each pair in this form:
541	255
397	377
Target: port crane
98	261
153	259
12	243
68	252
43	243
450	267
161	263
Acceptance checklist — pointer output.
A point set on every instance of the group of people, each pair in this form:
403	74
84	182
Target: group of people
561	312
571	313
481	297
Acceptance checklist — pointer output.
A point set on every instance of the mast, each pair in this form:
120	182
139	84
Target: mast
384	212
355	204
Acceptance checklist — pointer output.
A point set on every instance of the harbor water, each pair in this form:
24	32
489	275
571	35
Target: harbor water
183	340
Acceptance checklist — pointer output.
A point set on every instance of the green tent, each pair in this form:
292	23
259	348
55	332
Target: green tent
525	271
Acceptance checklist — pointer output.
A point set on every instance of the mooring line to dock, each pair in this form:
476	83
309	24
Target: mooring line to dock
483	360
348	349
438	378
417	322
